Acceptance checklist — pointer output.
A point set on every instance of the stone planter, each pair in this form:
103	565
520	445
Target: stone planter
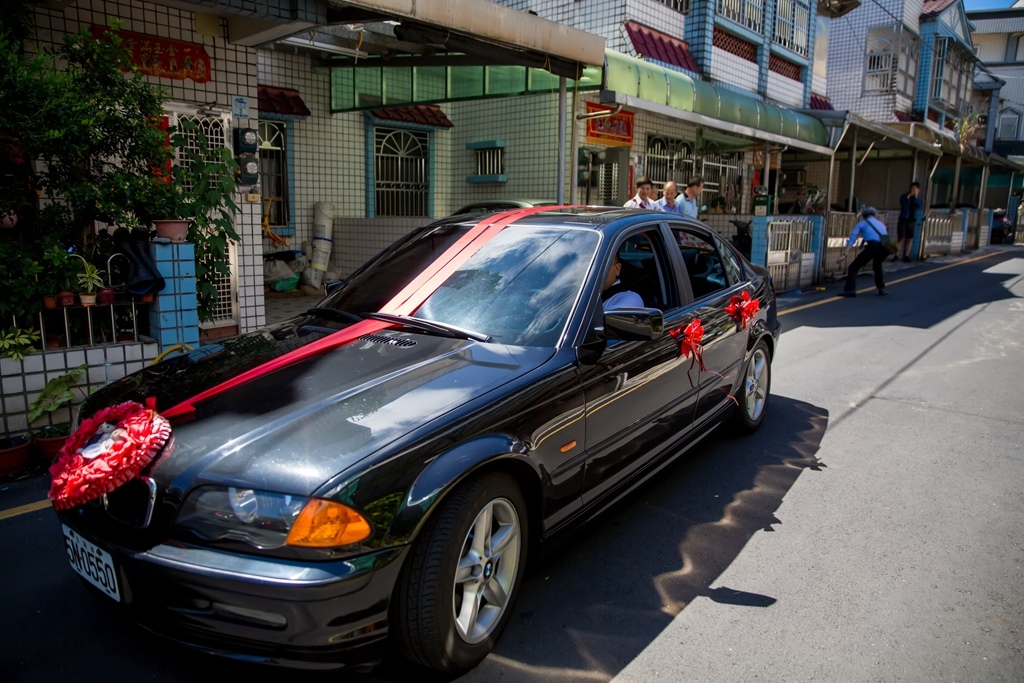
174	230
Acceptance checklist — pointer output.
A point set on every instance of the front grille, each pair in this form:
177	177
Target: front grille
390	341
132	503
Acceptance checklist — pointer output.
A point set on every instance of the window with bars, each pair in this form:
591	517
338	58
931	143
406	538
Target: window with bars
1008	124
489	162
273	151
792	22
721	172
681	6
401	172
216	131
746	13
668	159
891	61
952	75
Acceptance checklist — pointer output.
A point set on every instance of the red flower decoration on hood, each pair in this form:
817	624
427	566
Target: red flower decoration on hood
742	308
108	449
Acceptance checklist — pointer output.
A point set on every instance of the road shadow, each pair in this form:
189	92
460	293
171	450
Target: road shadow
920	302
590	606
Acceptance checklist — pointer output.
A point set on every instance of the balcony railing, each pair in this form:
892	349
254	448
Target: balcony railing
746	13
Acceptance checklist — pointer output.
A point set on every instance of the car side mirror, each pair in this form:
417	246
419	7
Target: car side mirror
634	324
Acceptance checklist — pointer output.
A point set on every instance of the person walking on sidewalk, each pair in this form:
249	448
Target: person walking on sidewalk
911	208
874	233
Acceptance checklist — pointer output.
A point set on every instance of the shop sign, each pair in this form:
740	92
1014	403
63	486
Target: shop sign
163	57
615	130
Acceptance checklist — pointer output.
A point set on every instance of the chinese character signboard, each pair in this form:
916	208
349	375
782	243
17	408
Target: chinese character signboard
163	57
615	130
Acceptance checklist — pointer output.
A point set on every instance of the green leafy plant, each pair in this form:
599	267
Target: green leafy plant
17	342
202	190
91	278
59	271
19	287
56	393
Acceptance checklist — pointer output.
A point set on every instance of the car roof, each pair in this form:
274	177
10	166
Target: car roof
606	219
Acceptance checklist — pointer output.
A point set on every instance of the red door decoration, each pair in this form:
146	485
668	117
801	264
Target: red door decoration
162	57
742	308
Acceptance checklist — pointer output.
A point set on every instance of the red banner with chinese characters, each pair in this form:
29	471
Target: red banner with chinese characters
163	57
615	130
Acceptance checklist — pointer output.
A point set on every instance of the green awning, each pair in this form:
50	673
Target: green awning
642	85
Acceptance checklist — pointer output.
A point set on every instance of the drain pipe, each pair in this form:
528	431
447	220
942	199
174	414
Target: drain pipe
560	198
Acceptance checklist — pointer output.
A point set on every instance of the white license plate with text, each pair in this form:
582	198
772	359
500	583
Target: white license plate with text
93	563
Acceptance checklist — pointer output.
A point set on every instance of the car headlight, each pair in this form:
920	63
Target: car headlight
267	520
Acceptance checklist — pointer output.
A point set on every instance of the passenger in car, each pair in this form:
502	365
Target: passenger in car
616	295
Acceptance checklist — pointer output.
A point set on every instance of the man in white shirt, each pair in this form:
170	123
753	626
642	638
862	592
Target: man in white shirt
668	203
642	200
615	295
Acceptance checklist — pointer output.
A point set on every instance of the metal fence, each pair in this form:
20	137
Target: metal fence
790	259
937	232
975	219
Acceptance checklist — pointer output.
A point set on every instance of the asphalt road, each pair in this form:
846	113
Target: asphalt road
871	530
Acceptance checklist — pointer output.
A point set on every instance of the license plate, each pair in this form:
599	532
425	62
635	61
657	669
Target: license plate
94	564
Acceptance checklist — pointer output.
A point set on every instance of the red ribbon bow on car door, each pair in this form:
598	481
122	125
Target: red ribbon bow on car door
743	308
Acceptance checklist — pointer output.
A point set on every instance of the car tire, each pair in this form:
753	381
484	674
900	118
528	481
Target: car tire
754	390
436	622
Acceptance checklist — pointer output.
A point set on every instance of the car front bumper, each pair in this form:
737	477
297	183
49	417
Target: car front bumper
305	615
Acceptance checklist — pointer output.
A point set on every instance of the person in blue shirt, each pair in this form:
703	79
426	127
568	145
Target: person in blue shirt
615	294
911	209
690	199
873	231
668	203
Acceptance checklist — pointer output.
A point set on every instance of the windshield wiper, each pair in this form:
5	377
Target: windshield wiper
443	329
341	316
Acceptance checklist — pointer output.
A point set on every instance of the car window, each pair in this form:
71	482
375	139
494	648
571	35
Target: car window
520	287
644	269
733	269
704	265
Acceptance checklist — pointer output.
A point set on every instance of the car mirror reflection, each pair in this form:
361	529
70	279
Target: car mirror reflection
634	324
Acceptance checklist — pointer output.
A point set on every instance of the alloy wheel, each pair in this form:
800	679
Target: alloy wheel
756	384
487	570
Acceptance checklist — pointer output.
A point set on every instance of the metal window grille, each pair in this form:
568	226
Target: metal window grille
878	72
681	6
722	180
608	184
953	75
490	161
274	172
401	173
1008	126
216	131
668	159
747	13
906	75
792	19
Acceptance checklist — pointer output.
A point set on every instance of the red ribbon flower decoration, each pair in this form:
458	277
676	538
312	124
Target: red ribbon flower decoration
689	341
108	449
742	308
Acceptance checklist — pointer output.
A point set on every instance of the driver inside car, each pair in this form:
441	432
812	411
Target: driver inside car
616	295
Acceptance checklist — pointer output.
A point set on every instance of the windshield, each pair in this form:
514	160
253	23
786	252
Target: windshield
519	288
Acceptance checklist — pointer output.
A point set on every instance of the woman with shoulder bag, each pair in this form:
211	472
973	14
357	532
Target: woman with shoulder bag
876	241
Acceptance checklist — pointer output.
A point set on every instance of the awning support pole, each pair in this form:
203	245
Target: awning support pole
561	141
853	173
954	200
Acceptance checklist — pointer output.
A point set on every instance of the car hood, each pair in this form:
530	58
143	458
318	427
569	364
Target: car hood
293	429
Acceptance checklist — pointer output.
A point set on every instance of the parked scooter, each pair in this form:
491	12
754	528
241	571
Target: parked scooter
742	240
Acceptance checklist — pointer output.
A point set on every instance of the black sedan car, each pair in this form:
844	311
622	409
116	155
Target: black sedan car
376	472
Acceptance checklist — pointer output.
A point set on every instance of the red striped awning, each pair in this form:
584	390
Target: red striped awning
821	103
285	101
423	114
661	46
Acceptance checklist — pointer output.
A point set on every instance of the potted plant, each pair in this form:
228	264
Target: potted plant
55	394
89	280
14	451
58	272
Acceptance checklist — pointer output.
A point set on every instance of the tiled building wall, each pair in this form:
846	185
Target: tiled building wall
528	126
732	70
22	381
785	90
846	55
234	74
